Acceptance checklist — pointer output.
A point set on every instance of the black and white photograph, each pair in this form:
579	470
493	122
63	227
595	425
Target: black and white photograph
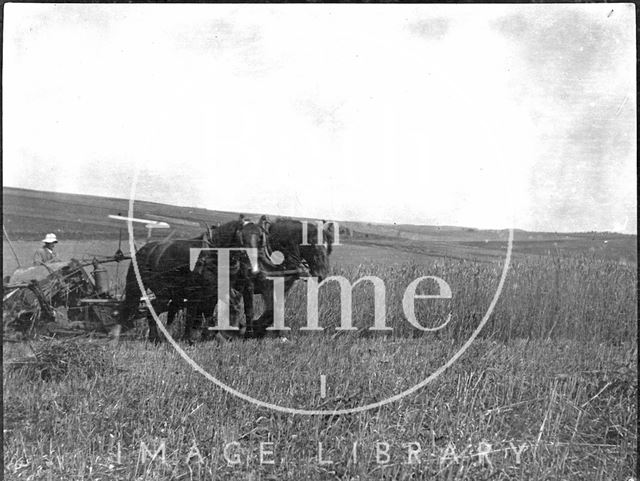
317	241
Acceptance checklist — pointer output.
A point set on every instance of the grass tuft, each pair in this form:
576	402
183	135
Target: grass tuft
54	360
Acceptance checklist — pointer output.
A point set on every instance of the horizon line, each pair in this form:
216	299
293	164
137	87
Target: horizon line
351	221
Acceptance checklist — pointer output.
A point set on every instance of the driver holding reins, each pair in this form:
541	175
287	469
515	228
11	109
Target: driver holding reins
46	253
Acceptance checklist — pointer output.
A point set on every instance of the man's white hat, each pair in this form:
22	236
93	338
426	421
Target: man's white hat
50	239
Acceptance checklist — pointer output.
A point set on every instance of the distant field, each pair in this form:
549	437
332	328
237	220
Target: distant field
28	215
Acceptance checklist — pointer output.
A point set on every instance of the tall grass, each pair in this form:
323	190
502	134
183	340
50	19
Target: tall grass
579	298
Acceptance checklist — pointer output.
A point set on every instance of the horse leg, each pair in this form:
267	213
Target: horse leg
153	336
206	316
268	317
153	330
172	310
258	327
129	305
159	306
193	328
189	322
234	307
235	310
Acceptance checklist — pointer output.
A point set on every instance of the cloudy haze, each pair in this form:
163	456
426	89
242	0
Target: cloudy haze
477	115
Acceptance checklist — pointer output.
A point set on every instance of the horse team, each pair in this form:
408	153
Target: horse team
171	284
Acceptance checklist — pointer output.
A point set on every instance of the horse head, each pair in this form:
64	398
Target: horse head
286	236
249	235
317	253
231	234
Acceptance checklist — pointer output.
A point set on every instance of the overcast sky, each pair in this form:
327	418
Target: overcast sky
477	115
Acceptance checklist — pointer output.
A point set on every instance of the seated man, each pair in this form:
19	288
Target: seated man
46	253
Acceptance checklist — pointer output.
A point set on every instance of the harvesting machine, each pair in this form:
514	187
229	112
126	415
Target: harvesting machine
60	298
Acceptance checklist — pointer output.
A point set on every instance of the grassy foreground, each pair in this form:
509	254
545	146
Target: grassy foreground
514	410
548	391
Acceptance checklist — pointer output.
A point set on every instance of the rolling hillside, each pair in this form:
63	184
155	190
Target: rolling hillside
29	214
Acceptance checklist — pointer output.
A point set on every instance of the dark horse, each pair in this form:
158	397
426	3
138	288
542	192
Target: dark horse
285	236
165	271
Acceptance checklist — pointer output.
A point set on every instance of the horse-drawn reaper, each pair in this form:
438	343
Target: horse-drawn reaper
66	298
171	284
59	299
